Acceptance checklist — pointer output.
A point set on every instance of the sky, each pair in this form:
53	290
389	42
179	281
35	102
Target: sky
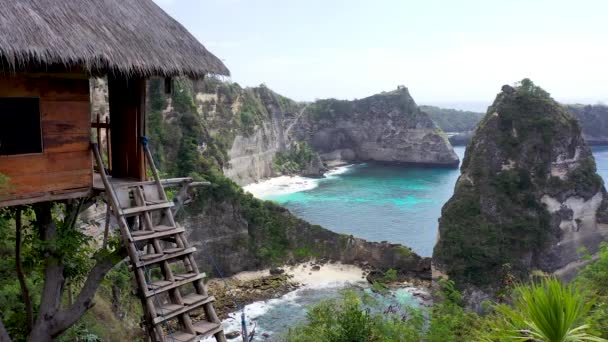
452	53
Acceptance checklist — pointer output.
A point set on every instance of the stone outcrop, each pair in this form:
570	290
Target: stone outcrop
387	127
593	121
239	242
528	197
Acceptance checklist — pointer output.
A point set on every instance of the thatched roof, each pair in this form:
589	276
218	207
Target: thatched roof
128	36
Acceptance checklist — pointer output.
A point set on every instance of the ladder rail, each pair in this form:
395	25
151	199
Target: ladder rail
143	249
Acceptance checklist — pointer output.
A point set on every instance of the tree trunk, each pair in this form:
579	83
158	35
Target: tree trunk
40	333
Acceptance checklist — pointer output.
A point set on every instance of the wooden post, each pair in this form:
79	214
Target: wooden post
108	143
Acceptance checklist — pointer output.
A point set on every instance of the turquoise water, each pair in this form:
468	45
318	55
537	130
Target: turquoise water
375	202
378	202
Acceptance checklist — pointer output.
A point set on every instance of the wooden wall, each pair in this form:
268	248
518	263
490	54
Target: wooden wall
64	168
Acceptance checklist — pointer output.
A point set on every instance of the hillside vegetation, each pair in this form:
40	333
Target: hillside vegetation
453	120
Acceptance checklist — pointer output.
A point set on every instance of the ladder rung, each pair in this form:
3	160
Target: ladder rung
193	298
172	250
184	309
181	336
137	210
140	233
158	284
205	328
167	257
162	228
174	284
168	309
159	234
148	257
184	275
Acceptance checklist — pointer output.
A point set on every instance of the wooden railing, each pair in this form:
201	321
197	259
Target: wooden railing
105	149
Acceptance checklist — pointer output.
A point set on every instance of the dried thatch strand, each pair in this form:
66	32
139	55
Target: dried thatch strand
133	37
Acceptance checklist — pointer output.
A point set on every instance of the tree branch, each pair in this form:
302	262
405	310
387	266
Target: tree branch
4	334
53	273
67	317
25	293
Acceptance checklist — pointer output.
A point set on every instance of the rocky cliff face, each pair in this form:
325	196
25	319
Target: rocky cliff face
593	121
239	239
528	197
254	125
387	127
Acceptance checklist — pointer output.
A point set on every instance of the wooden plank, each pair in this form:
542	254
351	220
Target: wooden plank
60	117
184	309
136	210
47	88
173	285
167	257
18	166
181	336
9	201
205	328
158	235
44	182
66	142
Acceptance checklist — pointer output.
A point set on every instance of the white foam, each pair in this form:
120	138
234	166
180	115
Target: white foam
255	310
284	185
339	170
281	185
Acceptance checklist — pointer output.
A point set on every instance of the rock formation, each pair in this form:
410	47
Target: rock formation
593	121
528	197
387	127
241	240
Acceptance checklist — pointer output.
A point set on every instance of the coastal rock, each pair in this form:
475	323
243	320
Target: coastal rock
232	335
528	197
387	127
593	120
276	270
241	243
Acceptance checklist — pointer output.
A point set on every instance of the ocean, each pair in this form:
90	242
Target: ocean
372	201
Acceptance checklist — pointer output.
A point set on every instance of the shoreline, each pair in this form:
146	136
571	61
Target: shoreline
254	286
288	184
261	293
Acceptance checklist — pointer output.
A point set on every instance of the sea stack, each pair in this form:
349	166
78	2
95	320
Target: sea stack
387	127
528	197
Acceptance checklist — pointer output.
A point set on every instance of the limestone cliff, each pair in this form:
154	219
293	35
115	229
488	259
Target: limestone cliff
387	127
256	129
528	197
216	131
243	233
593	121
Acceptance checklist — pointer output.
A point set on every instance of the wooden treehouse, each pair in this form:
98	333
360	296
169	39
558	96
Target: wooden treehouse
49	50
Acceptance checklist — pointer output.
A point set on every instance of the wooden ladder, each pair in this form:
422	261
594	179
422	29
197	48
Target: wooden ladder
170	285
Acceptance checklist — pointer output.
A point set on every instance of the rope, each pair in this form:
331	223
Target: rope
146	271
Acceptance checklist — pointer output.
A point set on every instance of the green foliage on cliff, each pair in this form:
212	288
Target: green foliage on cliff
453	120
546	311
116	312
295	158
361	317
495	215
543	311
593	120
593	279
269	225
